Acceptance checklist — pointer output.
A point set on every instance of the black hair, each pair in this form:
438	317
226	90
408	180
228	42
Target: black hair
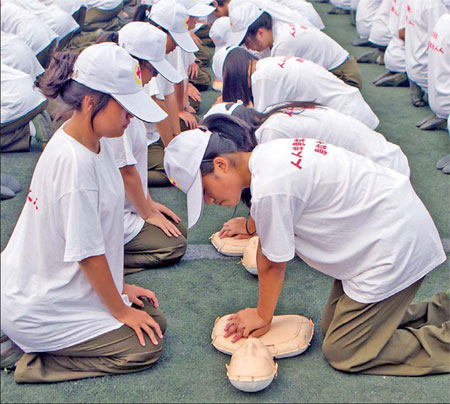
57	82
141	12
229	135
263	21
236	76
221	2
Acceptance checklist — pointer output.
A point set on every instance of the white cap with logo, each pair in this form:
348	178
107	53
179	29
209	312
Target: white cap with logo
174	18
108	68
182	159
241	17
197	8
144	41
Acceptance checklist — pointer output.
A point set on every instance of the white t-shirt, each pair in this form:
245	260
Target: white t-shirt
57	19
278	11
421	17
103	4
31	29
16	53
344	4
439	68
69	6
19	96
330	126
365	13
305	8
354	4
74	210
181	61
131	150
308	43
344	215
394	56
279	79
379	32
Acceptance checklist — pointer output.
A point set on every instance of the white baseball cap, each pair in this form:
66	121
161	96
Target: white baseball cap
182	159
241	17
108	68
144	41
220	32
174	18
226	108
197	8
219	60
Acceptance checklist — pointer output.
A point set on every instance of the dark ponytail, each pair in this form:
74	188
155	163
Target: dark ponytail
57	82
235	76
112	36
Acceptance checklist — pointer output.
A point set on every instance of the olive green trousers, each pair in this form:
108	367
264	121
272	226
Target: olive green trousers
115	352
390	337
349	72
156	174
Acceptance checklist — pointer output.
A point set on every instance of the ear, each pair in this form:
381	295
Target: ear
88	103
221	165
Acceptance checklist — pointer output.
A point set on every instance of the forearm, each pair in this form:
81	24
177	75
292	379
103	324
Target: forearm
134	191
179	95
164	127
98	274
270	279
172	107
251	225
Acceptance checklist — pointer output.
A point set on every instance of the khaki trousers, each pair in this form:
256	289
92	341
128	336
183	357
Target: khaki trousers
115	352
391	337
156	174
15	135
349	72
151	248
105	19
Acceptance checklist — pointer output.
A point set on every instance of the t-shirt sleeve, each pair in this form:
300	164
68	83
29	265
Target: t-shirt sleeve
122	150
275	218
79	224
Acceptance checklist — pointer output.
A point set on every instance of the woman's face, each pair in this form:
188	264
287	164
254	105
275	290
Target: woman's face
224	185
112	120
147	72
170	44
221	11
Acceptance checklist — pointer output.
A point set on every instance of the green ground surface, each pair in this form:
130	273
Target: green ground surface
195	292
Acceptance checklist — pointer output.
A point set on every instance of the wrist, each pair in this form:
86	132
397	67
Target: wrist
247	229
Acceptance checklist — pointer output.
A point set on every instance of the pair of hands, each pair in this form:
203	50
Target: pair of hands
235	227
139	320
246	323
158	219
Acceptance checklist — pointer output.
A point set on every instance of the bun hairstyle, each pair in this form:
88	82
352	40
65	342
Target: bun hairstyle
57	82
229	135
142	12
235	76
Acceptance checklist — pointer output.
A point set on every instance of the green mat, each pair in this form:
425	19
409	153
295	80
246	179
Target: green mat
196	291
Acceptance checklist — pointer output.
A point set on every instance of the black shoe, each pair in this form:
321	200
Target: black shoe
434	123
361	42
369	57
390	79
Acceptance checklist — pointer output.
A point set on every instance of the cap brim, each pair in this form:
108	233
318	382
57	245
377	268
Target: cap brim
201	10
195	200
184	41
166	70
237	37
141	106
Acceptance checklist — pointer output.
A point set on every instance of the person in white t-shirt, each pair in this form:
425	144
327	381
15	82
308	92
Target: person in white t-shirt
271	80
153	235
438	75
380	35
65	302
31	29
421	17
21	103
343	215
365	13
394	56
299	119
56	18
279	12
258	32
